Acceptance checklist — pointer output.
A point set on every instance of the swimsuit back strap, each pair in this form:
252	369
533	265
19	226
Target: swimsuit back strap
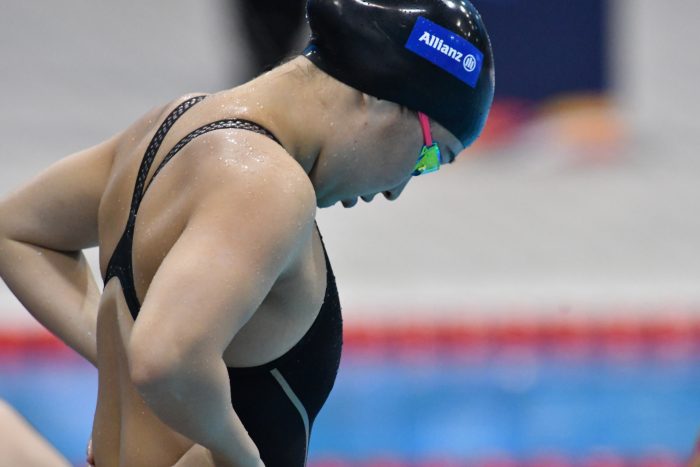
232	123
153	148
120	263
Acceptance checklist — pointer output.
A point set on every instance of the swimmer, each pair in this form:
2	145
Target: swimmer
218	333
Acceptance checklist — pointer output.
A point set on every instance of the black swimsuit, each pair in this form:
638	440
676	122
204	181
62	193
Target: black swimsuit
278	401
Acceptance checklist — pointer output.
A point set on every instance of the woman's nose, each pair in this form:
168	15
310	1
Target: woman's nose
390	195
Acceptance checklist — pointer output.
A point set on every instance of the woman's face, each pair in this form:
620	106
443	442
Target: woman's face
380	158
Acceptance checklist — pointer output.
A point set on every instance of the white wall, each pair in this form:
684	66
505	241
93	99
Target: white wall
657	64
531	226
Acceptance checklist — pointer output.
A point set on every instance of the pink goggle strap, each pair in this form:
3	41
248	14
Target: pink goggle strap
425	126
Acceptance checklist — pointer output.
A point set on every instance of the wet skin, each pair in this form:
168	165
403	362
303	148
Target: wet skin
126	431
227	263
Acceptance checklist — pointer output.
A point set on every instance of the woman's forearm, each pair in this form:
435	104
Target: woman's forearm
57	288
193	397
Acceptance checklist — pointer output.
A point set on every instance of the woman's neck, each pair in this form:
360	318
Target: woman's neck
300	105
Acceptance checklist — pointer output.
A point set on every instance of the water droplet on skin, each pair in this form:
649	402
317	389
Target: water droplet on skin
232	139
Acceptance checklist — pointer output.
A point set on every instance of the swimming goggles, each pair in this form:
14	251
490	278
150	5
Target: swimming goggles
430	158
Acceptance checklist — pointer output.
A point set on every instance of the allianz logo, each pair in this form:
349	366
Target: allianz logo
470	62
438	44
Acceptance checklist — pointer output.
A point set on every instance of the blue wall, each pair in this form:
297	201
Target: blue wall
547	47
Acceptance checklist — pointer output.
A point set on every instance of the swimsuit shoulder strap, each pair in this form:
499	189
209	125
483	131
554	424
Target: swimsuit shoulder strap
120	264
153	148
232	123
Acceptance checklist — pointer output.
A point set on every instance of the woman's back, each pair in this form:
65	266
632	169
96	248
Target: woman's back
126	432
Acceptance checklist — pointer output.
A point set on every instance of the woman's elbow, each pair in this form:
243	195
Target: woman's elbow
152	370
160	367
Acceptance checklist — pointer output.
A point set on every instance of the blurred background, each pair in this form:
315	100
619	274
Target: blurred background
537	303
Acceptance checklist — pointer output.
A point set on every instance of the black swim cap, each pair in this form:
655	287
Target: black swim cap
432	56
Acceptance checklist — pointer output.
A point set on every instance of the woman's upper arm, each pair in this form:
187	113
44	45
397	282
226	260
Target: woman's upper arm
222	267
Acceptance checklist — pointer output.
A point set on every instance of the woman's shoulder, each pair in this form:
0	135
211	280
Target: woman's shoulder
250	165
241	184
153	118
244	160
240	165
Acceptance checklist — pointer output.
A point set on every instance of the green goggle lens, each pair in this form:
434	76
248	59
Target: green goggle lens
428	161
